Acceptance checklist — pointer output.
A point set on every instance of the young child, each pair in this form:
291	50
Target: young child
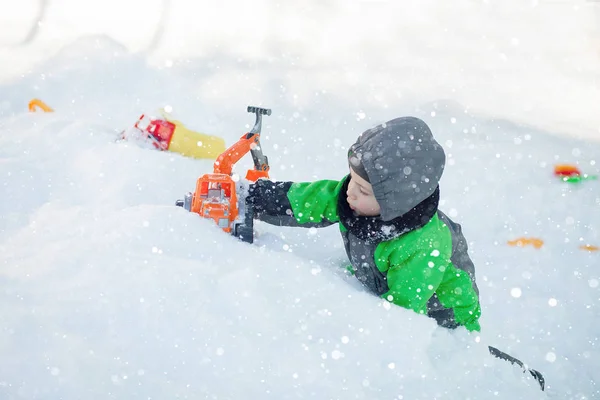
401	246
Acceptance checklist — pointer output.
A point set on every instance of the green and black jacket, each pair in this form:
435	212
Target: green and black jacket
418	261
411	254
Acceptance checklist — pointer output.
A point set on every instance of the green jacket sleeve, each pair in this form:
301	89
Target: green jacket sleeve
306	204
456	292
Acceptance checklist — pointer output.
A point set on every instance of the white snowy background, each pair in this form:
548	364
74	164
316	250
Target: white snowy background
108	291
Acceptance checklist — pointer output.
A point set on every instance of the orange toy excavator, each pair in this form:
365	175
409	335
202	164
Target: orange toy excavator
216	195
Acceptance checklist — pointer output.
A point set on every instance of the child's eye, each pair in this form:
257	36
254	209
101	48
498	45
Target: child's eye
363	192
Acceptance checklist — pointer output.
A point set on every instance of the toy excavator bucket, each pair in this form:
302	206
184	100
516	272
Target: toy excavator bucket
37	103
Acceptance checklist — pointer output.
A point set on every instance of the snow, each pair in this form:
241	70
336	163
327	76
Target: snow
109	291
535	62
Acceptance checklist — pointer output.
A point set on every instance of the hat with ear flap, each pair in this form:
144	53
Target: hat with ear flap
355	162
402	161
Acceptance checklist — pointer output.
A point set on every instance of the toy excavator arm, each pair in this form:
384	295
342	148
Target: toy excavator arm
261	163
249	142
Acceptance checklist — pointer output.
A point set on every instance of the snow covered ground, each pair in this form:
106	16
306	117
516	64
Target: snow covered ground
108	291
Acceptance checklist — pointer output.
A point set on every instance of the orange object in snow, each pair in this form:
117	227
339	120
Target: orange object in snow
571	174
521	242
35	103
589	247
563	170
216	193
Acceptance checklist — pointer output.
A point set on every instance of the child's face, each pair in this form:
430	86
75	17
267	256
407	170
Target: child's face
360	196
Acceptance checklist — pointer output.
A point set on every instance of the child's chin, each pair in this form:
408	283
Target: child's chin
360	213
363	214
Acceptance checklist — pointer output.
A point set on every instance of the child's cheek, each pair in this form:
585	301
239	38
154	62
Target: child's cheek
364	204
369	204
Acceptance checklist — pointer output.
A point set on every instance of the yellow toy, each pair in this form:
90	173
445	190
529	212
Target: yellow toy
163	133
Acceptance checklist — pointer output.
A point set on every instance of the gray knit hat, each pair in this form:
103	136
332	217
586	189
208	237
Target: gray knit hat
402	161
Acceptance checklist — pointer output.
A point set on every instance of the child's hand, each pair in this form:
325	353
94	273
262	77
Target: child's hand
250	193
